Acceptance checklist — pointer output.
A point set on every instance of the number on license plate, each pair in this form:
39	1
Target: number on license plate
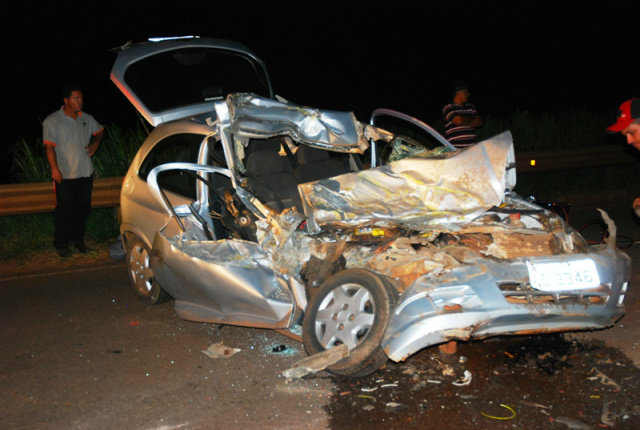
563	276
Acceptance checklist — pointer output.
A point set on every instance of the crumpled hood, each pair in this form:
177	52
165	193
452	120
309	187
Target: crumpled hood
413	193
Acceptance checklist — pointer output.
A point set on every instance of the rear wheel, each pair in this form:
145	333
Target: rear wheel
352	307
140	273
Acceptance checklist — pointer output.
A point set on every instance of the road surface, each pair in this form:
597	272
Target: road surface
80	352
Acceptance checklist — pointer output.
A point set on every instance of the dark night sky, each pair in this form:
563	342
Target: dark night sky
348	55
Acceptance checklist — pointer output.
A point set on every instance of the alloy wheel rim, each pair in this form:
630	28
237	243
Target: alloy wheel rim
140	270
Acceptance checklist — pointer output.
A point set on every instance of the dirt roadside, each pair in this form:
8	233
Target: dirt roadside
50	262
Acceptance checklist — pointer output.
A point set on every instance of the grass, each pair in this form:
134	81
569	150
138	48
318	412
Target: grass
27	234
112	159
568	129
24	235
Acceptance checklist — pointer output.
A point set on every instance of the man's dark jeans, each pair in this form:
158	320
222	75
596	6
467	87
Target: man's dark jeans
73	207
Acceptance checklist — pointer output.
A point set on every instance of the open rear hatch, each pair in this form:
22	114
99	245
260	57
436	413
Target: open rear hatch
179	78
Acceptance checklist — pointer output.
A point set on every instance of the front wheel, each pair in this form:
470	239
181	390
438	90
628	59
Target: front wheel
140	274
352	307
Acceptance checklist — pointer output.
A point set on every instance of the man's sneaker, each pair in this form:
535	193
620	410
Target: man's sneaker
83	249
64	252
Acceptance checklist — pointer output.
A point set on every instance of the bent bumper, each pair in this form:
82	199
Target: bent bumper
495	298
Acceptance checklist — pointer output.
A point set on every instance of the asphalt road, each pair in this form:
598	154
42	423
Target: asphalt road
79	351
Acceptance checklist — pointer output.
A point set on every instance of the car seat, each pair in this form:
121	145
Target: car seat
269	174
315	164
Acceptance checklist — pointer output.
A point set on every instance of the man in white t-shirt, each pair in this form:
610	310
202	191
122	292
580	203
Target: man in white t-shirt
71	137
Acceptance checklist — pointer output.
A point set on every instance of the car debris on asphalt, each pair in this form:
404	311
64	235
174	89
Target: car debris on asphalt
317	362
218	350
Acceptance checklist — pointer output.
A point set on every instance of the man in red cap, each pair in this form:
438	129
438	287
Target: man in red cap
629	122
629	125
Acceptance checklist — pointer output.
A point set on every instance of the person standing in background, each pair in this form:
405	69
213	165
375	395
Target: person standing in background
628	124
461	118
71	137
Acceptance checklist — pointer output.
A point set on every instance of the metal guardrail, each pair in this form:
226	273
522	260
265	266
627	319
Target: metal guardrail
572	158
22	199
17	199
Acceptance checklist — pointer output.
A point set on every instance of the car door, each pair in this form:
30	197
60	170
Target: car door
169	143
411	135
227	281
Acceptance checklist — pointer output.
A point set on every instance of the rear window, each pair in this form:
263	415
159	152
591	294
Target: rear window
178	147
190	76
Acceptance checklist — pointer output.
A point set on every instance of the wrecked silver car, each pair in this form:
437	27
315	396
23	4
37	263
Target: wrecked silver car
289	231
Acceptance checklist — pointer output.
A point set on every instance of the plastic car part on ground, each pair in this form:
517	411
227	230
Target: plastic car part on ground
511	416
317	362
218	350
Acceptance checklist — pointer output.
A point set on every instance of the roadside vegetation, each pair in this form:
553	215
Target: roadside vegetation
24	235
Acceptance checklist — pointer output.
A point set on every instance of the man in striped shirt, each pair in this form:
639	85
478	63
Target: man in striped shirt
460	117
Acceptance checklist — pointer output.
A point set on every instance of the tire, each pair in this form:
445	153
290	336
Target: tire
140	274
352	307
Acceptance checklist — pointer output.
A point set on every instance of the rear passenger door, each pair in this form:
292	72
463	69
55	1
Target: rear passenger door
140	213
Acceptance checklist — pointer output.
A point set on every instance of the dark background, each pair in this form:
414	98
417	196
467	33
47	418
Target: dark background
356	55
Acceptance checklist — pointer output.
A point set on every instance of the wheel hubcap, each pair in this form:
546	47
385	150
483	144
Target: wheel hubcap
345	316
140	271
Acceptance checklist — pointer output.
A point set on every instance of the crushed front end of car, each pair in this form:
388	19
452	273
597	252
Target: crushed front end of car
389	260
521	285
469	258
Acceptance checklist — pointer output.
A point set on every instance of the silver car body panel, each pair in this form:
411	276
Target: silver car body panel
229	281
224	282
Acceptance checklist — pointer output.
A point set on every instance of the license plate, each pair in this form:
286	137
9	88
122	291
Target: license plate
563	276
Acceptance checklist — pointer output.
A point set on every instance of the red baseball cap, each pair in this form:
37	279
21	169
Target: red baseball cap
629	111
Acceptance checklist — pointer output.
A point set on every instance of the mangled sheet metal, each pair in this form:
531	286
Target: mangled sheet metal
313	258
254	116
413	193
